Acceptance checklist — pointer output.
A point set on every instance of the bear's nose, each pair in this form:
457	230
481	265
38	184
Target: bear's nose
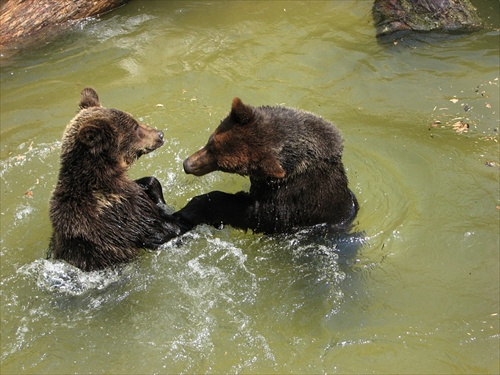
187	166
160	135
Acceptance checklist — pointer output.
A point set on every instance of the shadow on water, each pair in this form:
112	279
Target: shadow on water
324	241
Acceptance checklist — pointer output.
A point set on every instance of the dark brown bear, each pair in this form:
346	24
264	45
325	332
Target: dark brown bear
99	216
294	161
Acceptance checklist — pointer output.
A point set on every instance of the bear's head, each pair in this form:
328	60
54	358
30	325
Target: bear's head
108	134
241	144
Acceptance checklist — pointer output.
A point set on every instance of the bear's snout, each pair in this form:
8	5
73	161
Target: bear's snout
149	140
157	139
200	163
187	166
160	141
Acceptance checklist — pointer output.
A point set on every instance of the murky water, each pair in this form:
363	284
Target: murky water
413	289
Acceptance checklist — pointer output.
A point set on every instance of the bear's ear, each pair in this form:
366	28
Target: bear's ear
89	98
241	113
272	168
97	134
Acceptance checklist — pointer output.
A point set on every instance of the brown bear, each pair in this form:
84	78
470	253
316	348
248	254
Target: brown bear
294	161
99	216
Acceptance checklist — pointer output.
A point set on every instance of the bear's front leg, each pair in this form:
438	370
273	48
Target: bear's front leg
152	187
218	209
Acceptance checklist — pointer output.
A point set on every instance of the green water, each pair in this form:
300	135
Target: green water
414	288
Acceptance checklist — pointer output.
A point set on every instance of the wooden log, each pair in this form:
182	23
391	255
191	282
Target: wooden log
457	16
24	22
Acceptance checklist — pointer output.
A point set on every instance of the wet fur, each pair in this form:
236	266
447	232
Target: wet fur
99	216
294	161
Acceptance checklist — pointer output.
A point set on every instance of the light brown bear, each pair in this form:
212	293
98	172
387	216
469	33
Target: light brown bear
99	216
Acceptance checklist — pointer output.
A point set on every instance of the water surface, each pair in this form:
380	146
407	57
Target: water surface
413	289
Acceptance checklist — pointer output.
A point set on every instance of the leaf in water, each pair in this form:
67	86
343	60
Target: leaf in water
454	100
460	126
435	123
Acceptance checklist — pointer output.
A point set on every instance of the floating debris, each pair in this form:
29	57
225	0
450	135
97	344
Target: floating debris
435	123
461	127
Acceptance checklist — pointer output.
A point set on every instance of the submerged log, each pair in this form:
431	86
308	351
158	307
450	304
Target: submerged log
24	22
457	16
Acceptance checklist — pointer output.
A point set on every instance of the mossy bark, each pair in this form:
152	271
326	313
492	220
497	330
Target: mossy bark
458	16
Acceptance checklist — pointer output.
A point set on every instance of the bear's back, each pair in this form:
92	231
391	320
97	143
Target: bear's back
303	140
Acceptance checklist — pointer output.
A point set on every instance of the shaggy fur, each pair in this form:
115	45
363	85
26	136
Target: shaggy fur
99	216
294	161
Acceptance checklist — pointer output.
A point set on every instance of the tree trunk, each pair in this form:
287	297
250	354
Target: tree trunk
24	22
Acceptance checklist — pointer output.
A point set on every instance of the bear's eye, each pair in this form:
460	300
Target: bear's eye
137	130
